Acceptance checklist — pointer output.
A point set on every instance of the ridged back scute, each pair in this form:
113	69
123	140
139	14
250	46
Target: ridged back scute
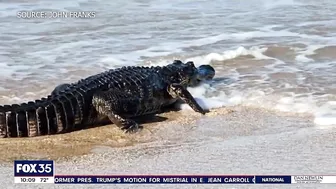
54	114
13	120
4	129
70	108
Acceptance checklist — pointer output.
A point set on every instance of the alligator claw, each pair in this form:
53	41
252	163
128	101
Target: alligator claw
204	112
131	127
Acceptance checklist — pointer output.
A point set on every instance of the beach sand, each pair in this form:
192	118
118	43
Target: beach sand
235	140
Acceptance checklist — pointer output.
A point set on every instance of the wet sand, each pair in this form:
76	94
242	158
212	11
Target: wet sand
237	140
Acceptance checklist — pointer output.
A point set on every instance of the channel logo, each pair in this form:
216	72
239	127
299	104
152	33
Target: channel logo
33	168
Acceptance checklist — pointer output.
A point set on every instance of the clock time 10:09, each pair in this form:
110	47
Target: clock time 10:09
27	179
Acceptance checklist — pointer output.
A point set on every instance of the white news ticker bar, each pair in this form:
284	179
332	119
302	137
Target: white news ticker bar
314	178
34	180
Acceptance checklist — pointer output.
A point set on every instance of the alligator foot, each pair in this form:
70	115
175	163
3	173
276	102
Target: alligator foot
127	125
104	104
178	91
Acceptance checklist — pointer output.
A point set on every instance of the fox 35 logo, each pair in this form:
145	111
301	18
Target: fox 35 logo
33	168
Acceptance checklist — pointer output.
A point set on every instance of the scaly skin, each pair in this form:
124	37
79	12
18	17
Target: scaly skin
112	96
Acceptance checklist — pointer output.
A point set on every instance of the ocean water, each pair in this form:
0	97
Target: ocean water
278	55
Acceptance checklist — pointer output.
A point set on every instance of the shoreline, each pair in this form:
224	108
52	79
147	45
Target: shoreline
253	141
85	142
66	146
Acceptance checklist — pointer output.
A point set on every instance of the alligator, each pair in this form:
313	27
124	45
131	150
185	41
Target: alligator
114	96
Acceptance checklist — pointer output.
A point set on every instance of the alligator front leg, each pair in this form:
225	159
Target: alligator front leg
178	91
106	103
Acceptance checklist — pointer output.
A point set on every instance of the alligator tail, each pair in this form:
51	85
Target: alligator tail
57	113
63	111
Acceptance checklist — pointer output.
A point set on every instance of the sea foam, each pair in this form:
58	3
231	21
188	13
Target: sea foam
210	97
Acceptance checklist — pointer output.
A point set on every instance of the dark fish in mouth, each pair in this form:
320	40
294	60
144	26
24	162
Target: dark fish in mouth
204	73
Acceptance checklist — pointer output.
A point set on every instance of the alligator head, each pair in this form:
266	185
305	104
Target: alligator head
189	75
